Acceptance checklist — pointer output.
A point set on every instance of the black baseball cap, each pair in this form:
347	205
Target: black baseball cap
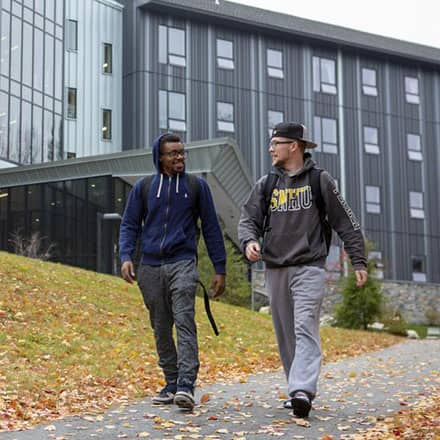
292	130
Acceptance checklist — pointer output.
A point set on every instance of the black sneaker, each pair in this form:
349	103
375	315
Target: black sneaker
166	395
301	404
287	404
184	398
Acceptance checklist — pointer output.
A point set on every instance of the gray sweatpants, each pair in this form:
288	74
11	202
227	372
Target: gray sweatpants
296	294
169	294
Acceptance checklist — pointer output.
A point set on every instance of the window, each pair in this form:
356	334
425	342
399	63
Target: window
371	140
106	124
71	35
414	147
27	53
274	117
107	65
372	197
15	53
418	268
71	103
326	134
376	257
412	90
416	204
225	54
38	59
225	117
172	46
324	75
172	110
275	63
3	125
369	86
49	64
4	43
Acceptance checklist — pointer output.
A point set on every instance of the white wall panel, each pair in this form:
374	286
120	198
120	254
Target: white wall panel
99	22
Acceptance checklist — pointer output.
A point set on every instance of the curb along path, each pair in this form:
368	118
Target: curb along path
353	393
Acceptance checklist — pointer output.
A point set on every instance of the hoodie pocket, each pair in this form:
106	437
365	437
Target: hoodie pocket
151	240
286	248
175	240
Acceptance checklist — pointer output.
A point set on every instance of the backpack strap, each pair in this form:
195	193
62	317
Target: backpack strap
269	186
145	189
315	183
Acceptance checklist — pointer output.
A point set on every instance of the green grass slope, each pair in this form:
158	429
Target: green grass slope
75	341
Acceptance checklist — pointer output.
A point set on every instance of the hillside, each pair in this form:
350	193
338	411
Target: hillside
76	341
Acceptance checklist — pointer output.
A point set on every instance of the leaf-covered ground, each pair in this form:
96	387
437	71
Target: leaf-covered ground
73	341
419	422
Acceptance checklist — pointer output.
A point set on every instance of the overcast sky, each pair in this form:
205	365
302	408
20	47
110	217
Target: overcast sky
416	21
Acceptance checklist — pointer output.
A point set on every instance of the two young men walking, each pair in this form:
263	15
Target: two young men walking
288	234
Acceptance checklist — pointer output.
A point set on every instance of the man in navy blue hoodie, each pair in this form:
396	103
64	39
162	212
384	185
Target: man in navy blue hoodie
167	275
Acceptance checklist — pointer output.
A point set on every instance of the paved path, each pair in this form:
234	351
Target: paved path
353	393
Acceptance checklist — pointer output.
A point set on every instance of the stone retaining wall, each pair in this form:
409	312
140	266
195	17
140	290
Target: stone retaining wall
411	300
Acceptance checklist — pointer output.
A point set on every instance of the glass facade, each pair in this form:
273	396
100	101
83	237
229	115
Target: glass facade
31	78
69	216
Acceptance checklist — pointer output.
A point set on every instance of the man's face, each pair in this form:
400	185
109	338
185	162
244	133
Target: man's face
172	158
280	150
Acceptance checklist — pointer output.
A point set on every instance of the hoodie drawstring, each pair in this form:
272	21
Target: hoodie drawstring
160	186
159	189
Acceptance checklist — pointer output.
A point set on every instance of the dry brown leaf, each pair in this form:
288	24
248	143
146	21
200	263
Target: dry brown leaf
302	422
205	398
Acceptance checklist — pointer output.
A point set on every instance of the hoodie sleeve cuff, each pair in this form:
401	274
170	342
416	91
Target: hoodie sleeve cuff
220	269
125	258
359	267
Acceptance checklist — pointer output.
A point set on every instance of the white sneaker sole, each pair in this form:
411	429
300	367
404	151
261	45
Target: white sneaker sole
184	400
156	400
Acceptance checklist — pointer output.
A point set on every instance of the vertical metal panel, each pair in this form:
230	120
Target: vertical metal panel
253	93
372	113
431	152
99	22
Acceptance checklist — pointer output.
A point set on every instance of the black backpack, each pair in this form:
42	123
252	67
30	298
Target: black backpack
315	183
194	191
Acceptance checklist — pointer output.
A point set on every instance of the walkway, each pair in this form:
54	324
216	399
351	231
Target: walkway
353	394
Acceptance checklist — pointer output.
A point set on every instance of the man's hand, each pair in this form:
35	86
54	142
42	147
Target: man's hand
361	277
127	271
253	251
218	285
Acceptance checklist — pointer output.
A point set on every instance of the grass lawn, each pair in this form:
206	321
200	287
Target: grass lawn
75	341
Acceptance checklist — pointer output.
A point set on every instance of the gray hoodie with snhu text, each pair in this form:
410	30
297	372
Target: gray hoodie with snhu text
295	235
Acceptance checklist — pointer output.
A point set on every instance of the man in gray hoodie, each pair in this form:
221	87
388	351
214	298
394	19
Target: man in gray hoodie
284	225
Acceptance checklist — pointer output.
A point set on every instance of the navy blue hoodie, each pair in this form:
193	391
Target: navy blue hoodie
169	230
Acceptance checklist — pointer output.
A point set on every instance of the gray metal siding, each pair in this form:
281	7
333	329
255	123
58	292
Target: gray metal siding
253	93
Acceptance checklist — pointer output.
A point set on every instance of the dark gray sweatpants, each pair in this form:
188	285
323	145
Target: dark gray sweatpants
169	294
296	294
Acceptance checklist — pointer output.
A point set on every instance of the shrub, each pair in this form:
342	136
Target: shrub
394	322
238	286
433	317
359	306
32	247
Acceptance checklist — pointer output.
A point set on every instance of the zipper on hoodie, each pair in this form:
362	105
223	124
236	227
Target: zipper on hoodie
166	215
